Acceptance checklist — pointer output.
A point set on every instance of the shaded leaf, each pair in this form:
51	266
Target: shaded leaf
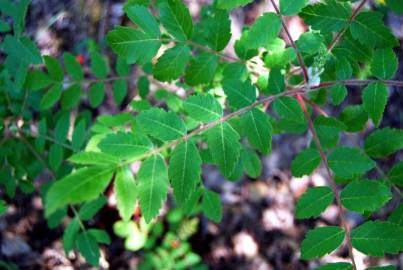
365	196
313	202
348	162
305	162
374	100
321	241
375	238
384	142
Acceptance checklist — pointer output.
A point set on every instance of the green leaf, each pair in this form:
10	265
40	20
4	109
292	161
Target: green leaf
258	130
211	205
396	174
184	170
176	19
100	236
336	266
241	47
165	126
397	215
79	135
343	69
171	65
251	163
143	84
54	68
62	127
70	235
313	202
349	162
96	94
305	162
369	29
201	69
89	209
125	190
55	156
384	142
99	65
152	186
51	97
365	196
230	4
292	7
218	30
133	45
395	5
374	100
71	97
338	93
37	80
321	241
73	67
122	68
85	184
328	129
276	83
3	207
119	90
384	63
330	16
239	94
125	145
288	108
203	107
225	147
354	117
22	49
375	238
263	31
88	247
94	158
144	19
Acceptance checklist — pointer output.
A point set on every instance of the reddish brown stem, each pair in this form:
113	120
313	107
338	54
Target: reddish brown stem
331	180
292	43
342	31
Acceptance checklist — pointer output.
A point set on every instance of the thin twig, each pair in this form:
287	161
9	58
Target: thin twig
50	139
292	43
41	160
331	181
342	31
